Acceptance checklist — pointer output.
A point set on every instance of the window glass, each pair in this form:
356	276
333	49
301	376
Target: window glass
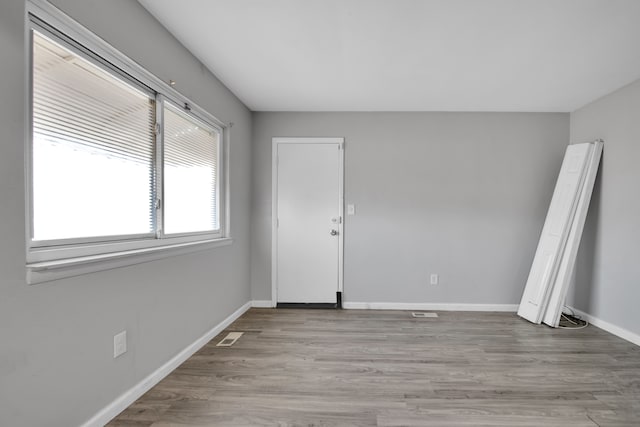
190	174
93	149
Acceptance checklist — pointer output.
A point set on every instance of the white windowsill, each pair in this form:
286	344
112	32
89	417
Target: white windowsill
44	271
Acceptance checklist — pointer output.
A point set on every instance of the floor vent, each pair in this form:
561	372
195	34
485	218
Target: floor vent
423	314
230	339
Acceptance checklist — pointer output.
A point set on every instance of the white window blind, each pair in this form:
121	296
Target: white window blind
190	168
93	149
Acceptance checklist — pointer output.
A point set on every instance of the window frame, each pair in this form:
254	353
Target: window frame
161	101
53	259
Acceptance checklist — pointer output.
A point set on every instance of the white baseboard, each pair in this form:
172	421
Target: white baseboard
609	327
262	303
131	395
429	306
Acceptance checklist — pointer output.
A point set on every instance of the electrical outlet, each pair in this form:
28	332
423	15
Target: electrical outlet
119	344
434	279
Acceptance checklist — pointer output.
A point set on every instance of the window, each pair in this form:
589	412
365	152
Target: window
190	174
120	164
93	146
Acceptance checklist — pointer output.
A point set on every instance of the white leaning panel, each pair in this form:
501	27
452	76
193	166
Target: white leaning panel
567	264
554	232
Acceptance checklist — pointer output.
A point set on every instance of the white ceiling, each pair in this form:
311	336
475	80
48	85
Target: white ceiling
411	55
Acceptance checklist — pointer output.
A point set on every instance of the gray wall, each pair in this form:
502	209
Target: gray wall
56	338
463	195
608	268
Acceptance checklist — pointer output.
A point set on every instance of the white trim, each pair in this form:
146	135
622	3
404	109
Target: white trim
274	206
307	140
225	208
342	221
274	222
262	303
625	334
511	308
46	271
53	254
128	397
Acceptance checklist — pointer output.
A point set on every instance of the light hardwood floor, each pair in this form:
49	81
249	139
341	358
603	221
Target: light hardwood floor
385	368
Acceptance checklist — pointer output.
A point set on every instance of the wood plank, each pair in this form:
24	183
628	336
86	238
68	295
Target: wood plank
386	368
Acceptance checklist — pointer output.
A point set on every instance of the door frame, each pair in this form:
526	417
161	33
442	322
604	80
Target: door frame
274	206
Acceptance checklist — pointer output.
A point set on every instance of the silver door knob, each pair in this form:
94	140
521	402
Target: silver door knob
334	232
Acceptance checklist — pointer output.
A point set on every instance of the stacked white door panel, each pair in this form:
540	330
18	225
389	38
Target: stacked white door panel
555	232
567	263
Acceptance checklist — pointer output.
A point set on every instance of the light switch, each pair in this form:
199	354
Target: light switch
119	344
351	209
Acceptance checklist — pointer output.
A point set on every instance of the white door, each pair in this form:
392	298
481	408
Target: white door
307	227
554	233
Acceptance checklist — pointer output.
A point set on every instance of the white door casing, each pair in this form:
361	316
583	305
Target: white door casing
307	226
